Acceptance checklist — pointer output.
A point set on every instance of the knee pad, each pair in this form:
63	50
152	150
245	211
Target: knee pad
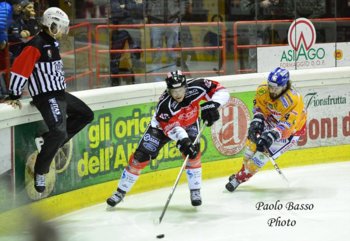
250	149
194	163
252	167
141	156
137	162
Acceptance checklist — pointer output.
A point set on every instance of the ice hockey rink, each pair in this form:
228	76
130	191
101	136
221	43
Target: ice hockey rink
322	189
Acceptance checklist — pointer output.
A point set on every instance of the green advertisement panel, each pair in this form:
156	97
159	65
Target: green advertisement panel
101	150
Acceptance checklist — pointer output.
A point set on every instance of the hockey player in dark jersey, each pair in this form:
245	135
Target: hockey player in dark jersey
41	65
176	118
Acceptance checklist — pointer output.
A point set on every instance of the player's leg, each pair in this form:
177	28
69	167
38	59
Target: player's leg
78	115
151	142
194	168
253	160
247	170
53	111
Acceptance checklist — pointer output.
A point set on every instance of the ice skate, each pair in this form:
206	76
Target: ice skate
232	184
196	199
116	198
39	183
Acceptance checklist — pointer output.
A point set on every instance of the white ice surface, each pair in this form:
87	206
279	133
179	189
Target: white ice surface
226	216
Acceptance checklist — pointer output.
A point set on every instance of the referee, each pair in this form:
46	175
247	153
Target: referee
64	114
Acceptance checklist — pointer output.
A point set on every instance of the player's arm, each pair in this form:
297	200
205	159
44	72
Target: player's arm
285	127
216	96
174	131
289	123
283	130
172	128
21	70
257	124
215	91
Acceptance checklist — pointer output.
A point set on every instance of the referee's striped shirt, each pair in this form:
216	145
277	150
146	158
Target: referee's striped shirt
39	63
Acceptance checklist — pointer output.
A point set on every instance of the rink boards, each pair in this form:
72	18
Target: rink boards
326	94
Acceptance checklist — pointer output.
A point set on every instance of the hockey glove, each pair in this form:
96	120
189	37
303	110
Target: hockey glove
266	139
256	127
209	112
187	148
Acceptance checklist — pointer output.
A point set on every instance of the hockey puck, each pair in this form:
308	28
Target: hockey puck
160	236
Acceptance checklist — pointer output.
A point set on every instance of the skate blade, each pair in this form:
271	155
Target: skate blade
110	208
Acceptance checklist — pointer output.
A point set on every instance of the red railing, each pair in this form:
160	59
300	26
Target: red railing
87	48
222	48
6	67
237	47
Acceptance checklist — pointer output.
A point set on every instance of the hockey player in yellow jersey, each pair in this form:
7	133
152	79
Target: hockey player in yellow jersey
279	121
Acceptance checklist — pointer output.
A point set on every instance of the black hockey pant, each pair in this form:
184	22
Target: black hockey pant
65	115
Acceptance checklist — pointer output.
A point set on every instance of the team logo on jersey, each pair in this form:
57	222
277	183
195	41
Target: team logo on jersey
189	115
261	91
191	92
207	83
49	53
229	134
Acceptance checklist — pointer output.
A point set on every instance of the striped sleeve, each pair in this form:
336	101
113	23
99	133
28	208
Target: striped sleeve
21	70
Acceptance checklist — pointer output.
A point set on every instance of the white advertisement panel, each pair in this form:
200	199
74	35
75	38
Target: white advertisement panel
5	153
320	56
342	54
328	121
302	51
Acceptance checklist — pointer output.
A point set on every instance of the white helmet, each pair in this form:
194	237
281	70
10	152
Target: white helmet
55	17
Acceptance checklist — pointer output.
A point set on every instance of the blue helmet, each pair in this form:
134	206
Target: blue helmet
278	77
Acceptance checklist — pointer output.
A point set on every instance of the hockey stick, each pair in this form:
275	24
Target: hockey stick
267	154
276	167
179	175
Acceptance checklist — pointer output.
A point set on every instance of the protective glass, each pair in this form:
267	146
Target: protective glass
64	30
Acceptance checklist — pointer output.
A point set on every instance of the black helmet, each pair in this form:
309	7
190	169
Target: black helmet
175	79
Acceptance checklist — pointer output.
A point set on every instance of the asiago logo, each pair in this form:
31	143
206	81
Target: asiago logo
301	33
302	39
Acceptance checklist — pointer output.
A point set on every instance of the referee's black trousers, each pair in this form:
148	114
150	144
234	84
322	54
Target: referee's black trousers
65	115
